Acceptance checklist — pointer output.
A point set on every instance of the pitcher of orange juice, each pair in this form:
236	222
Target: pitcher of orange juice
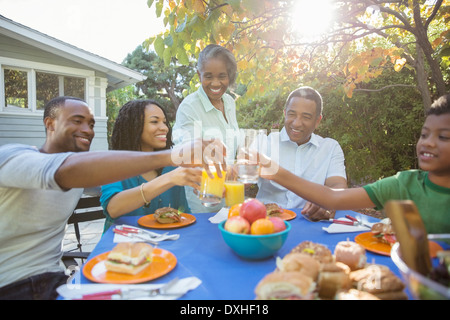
234	189
211	189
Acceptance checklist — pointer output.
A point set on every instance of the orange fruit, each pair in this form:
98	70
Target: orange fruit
234	210
262	226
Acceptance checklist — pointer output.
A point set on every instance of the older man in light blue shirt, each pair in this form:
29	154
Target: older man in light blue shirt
304	153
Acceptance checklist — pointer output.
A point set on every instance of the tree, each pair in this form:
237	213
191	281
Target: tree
378	132
164	84
377	33
114	101
412	31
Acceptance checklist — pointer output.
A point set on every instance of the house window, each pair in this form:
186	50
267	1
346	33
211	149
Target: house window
74	87
29	89
16	89
47	87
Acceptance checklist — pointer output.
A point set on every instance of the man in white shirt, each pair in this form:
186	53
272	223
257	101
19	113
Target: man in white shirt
304	153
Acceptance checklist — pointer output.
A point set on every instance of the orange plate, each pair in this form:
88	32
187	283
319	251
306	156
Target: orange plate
149	221
371	243
287	215
163	262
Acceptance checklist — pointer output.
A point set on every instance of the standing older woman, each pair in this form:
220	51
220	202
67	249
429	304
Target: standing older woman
210	112
142	125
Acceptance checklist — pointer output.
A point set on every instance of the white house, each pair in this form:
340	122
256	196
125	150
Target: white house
35	67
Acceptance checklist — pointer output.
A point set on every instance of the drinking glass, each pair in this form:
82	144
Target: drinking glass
251	142
211	189
234	189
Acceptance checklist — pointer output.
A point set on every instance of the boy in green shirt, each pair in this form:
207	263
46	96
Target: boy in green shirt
428	187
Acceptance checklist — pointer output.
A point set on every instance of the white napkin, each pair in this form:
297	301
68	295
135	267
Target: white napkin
220	216
73	291
342	228
142	237
120	238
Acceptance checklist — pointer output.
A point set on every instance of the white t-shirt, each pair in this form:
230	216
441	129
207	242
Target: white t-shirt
33	212
316	160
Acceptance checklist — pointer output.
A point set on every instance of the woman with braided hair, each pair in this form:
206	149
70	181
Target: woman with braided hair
142	125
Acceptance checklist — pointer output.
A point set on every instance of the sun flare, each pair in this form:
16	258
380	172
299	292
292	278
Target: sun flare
312	18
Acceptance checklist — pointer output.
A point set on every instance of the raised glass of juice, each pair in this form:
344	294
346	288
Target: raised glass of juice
234	189
211	189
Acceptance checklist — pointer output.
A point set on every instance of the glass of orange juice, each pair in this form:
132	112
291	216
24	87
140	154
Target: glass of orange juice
234	189
211	189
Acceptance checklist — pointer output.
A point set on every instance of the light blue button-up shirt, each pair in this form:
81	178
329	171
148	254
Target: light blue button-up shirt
317	160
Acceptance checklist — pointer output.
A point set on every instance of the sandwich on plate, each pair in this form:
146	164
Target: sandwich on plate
129	257
384	232
273	210
167	215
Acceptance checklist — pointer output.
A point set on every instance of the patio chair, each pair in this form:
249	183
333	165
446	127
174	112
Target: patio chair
87	209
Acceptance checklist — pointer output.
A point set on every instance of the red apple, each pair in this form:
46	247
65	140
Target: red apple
278	224
237	224
253	210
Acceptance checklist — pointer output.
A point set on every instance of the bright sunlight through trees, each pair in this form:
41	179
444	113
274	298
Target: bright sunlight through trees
312	18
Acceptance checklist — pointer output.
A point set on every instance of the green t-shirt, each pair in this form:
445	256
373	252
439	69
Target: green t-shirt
432	201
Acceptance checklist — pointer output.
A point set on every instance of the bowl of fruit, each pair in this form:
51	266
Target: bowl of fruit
252	234
433	286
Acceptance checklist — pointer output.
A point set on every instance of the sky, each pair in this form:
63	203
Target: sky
108	28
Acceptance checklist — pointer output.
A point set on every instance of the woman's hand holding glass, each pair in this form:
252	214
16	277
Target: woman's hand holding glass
200	152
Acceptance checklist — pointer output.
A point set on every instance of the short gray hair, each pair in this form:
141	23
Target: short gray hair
309	94
216	51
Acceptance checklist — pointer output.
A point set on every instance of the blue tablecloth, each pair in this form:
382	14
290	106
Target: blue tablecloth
201	252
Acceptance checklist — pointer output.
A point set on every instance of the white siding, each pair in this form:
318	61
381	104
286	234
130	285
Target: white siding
27	127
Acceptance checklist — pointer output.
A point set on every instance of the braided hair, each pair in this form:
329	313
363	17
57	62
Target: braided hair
129	125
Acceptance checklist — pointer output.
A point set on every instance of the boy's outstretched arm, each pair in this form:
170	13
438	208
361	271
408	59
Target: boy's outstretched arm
331	199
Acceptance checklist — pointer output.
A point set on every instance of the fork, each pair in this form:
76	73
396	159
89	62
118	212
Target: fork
134	235
131	229
155	236
350	223
133	293
139	234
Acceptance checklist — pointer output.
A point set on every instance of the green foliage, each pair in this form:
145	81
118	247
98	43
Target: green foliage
164	83
270	49
114	101
265	112
378	131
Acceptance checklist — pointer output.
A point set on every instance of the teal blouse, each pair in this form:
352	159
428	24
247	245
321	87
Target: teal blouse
175	197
